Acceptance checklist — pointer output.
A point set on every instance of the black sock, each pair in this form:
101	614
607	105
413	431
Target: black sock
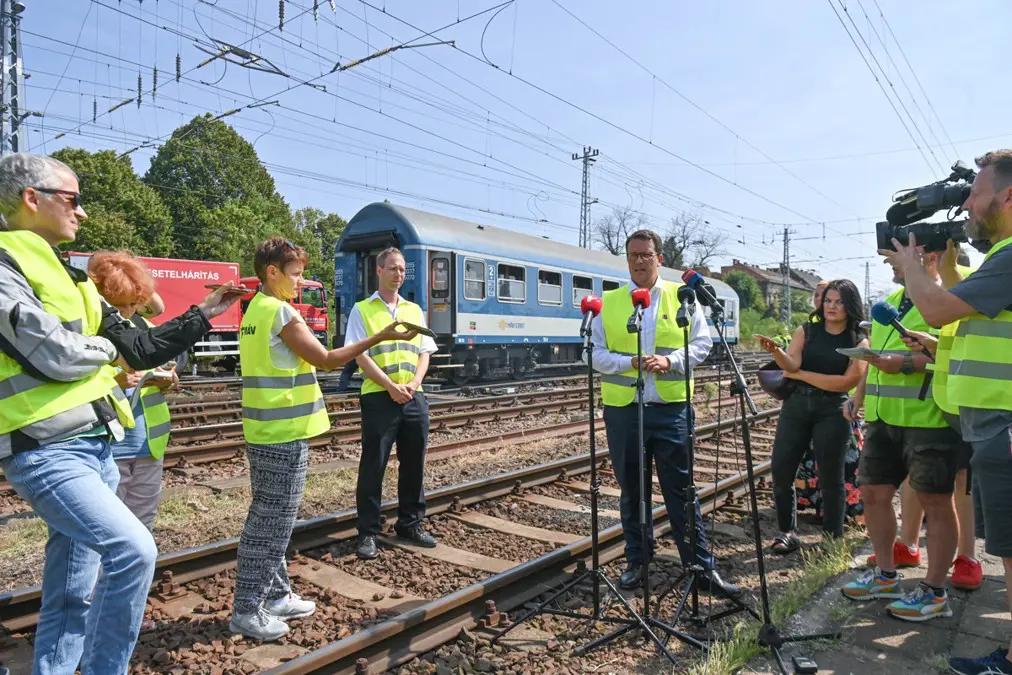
888	575
938	591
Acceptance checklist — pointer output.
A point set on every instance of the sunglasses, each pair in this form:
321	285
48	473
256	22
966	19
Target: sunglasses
74	198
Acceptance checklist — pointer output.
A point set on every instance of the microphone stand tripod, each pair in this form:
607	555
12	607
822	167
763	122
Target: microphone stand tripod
692	571
634	620
769	635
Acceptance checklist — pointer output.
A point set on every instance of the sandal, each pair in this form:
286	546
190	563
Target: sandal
786	543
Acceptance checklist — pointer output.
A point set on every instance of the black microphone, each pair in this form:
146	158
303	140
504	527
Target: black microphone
704	292
687	298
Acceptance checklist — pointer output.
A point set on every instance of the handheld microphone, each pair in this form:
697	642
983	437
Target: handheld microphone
640	301
887	315
590	306
704	292
687	300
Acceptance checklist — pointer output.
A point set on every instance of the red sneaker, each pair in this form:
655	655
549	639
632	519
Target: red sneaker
902	557
968	574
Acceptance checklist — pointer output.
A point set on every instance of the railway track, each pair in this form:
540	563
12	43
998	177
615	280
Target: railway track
393	624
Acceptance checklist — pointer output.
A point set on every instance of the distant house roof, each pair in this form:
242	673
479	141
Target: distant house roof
800	280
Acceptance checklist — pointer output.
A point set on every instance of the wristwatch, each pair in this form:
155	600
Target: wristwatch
908	364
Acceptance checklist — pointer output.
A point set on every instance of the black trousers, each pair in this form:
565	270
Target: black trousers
665	433
811	417
385	423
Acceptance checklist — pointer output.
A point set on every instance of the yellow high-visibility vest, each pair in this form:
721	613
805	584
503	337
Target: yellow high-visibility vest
398	359
279	405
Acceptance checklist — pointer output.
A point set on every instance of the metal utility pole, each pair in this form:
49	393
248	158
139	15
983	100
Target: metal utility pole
785	289
588	158
867	288
12	80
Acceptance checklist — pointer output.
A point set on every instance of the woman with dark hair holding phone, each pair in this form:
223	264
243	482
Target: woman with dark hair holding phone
813	412
282	408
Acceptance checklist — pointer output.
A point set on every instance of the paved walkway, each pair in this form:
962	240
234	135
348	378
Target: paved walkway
874	643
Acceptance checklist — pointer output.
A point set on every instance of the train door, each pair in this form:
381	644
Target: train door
370	281
440	310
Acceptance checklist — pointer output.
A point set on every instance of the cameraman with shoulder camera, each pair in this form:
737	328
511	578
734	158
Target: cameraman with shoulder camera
980	366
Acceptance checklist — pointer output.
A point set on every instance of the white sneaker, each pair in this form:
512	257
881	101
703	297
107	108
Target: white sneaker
259	626
290	607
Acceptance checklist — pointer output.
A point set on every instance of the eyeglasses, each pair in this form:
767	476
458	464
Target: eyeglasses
74	198
645	257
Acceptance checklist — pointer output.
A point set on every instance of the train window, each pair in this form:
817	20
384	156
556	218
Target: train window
512	283
609	285
474	279
549	288
440	279
582	286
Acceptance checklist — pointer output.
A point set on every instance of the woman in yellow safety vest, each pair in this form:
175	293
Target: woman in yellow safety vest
282	408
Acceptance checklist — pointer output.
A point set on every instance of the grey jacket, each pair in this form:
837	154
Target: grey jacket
49	351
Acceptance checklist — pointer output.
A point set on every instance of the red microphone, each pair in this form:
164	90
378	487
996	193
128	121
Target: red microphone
590	307
641	298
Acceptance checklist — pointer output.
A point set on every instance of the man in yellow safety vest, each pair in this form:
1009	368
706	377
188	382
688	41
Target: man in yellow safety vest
979	379
667	405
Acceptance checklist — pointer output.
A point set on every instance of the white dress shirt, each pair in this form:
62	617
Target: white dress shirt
612	363
355	330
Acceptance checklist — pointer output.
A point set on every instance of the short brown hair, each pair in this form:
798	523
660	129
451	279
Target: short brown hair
279	252
1001	160
121	278
381	259
645	235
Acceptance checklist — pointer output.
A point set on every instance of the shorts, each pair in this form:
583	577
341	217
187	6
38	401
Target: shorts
928	457
992	478
965	449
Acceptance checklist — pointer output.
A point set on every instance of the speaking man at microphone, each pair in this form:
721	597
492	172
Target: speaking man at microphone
979	374
668	410
906	438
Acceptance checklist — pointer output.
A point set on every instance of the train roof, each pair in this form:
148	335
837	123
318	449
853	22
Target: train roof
372	226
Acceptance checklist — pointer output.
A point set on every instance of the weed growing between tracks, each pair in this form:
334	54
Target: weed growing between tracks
820	564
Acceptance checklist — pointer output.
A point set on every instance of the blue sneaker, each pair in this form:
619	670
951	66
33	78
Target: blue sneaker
995	663
920	604
871	585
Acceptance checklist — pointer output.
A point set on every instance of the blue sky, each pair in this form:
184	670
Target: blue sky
489	138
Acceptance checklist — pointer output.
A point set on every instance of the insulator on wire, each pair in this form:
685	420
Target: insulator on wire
281	15
94	110
139	85
154	82
316	10
179	67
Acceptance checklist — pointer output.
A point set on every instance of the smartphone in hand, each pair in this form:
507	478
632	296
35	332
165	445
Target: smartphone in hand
238	290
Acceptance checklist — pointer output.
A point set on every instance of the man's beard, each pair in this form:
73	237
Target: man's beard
987	226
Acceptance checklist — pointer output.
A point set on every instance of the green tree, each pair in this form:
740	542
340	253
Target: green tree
200	172
123	212
749	294
318	233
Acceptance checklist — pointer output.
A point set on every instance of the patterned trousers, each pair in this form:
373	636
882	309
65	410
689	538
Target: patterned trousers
277	478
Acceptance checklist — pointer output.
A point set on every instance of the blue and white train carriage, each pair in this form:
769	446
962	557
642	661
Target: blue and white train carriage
501	303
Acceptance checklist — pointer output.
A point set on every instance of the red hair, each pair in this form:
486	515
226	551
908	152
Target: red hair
121	278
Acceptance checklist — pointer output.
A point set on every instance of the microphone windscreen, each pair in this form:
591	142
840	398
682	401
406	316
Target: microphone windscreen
690	277
590	303
884	313
641	298
686	294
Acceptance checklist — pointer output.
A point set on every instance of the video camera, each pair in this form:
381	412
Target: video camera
912	206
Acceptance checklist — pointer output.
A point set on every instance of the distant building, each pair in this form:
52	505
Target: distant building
770	280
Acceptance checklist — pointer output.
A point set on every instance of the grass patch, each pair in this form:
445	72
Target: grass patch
191	506
22	537
820	564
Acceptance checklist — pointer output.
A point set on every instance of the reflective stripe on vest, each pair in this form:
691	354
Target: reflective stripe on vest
893	397
279	405
620	390
27	400
980	363
399	359
157	417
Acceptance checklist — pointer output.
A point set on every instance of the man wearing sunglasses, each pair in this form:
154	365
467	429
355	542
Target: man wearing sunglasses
60	411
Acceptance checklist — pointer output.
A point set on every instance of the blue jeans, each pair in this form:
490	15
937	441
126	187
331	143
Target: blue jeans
71	486
665	434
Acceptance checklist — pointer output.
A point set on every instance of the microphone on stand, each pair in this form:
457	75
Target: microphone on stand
590	307
704	291
640	301
687	300
887	315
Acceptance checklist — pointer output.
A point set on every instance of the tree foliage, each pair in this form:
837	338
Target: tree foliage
689	243
207	173
750	296
123	212
318	233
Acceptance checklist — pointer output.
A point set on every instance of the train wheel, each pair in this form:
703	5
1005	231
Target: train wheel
460	377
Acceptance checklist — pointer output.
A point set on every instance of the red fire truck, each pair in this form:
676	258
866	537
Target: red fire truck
311	302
